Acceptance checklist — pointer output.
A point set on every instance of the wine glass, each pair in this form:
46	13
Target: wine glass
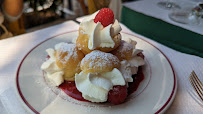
188	15
168	4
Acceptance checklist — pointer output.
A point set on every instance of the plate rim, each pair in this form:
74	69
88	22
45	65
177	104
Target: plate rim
173	93
31	109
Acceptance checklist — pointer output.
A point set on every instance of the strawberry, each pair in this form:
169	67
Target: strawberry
117	95
105	16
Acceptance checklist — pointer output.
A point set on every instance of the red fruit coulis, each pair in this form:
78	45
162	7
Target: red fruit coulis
70	89
137	79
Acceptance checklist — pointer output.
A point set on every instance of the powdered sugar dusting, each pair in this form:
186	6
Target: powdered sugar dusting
124	46
100	59
65	47
70	49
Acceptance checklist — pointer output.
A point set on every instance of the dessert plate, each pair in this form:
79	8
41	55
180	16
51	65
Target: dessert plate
154	95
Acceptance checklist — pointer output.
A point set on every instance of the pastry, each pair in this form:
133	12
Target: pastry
124	51
99	66
63	63
129	57
99	32
68	57
98	76
98	62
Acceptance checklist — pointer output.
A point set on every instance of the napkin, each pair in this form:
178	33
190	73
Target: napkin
10	102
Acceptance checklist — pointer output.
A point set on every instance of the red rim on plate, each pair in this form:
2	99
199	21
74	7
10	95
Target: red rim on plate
29	106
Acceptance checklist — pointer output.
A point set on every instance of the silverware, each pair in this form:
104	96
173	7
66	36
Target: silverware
196	84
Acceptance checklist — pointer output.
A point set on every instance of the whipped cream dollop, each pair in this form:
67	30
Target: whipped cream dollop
95	86
130	67
53	72
99	36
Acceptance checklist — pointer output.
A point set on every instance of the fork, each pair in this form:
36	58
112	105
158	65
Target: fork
196	84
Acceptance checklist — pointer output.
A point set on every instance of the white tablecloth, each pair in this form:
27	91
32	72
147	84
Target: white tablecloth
14	49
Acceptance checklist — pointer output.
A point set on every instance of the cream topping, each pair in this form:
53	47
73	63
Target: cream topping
126	71
95	86
53	72
99	36
56	77
130	67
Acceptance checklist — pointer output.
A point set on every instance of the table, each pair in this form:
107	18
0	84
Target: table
14	49
146	18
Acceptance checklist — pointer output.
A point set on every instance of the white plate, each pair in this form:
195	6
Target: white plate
154	94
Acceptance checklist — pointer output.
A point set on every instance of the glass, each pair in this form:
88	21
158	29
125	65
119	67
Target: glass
167	4
191	15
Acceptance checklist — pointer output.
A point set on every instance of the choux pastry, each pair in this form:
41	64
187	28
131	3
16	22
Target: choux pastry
68	57
99	62
124	51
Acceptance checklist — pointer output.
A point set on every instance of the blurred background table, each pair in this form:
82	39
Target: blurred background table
146	18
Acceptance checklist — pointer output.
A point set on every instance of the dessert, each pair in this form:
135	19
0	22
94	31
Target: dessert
63	63
98	62
130	60
68	58
99	74
100	66
99	32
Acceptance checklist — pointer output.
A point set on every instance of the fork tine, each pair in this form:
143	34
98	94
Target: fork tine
197	79
195	85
